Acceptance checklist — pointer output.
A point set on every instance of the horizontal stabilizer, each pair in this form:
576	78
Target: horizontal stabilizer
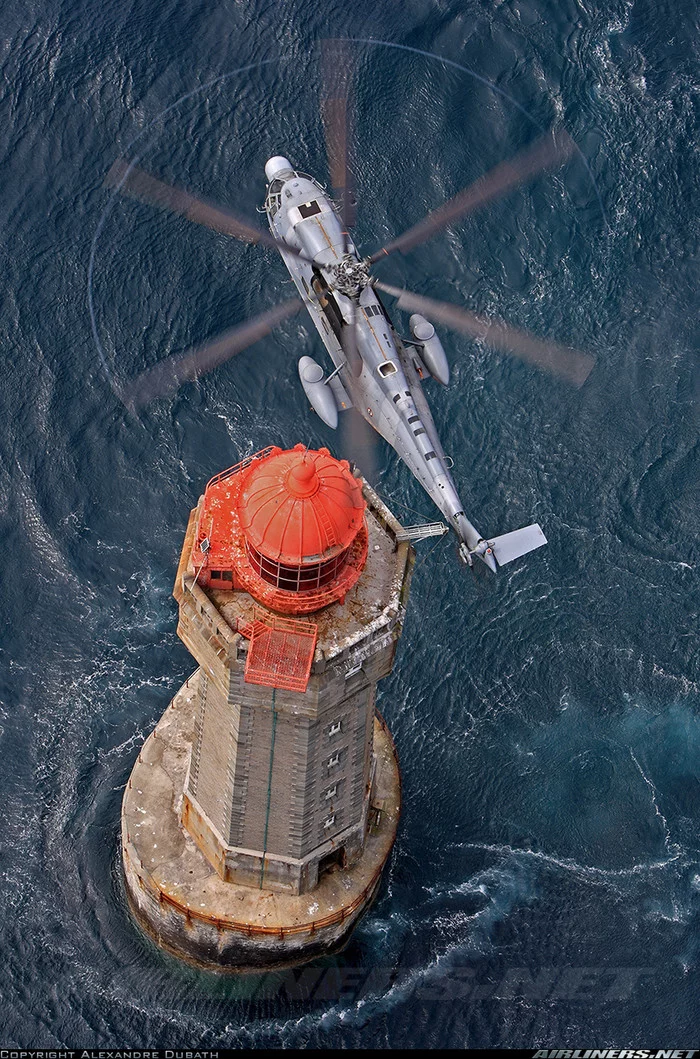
512	545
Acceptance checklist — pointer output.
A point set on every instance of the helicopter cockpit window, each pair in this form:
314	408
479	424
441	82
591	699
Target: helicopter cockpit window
309	209
387	368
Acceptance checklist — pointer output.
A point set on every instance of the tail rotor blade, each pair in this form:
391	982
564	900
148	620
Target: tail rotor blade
550	152
172	372
567	363
139	184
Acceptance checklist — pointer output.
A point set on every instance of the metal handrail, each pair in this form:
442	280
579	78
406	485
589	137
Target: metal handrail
251	929
238	467
421	531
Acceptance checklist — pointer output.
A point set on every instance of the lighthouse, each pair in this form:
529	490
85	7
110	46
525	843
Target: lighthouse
264	805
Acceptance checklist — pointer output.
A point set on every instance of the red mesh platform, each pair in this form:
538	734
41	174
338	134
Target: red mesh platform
281	652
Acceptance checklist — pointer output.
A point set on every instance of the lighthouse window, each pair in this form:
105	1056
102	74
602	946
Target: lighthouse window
414	419
296	578
430	455
335	727
421	430
397	397
387	368
334	759
329	821
331	792
309	209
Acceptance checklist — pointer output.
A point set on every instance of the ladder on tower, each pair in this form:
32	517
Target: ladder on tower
419	532
328	528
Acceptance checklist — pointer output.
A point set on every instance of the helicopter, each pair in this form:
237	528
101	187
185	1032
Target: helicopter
375	370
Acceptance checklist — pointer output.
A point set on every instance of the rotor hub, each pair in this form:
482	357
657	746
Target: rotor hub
350	276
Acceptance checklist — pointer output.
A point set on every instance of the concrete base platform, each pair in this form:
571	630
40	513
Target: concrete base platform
184	905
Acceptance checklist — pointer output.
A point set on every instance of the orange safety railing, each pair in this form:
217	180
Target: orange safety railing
238	467
252	929
281	651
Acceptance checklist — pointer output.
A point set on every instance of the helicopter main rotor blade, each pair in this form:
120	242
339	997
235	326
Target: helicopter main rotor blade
336	113
170	373
348	340
139	184
567	363
360	442
547	153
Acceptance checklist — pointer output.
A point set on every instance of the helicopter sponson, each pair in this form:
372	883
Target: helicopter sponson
318	391
428	348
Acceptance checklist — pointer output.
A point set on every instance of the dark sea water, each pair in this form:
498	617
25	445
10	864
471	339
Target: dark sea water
548	719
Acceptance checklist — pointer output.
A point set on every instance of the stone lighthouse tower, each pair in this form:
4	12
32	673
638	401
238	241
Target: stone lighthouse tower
263	807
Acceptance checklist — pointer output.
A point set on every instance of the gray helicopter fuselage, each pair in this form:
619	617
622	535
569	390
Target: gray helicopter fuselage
386	388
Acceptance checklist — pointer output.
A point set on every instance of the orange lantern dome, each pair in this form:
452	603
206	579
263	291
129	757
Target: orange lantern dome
301	507
286	526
